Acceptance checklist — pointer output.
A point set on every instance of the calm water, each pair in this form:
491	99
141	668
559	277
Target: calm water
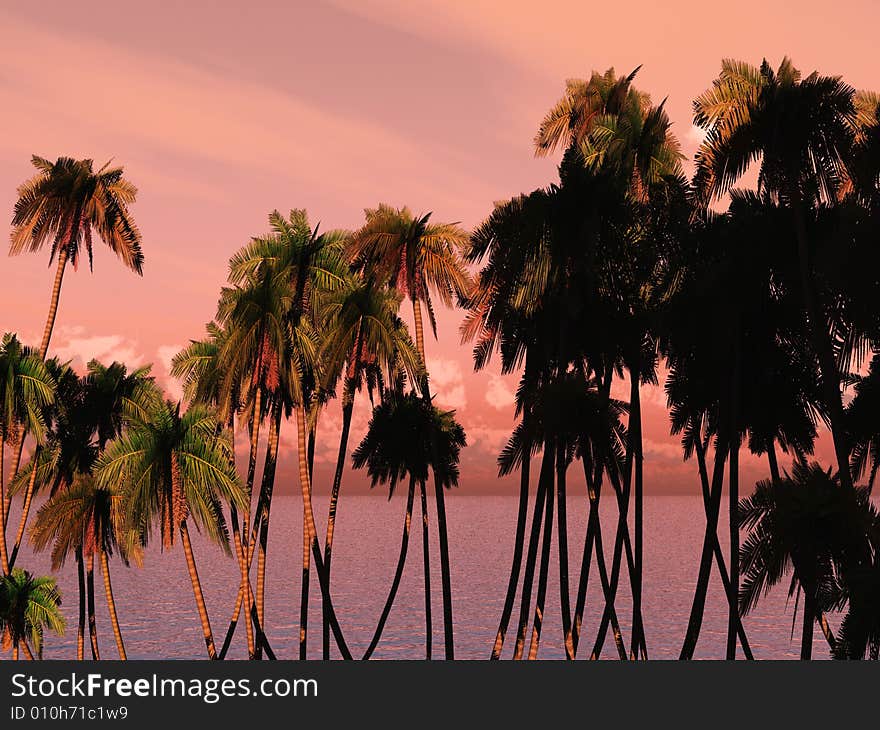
158	619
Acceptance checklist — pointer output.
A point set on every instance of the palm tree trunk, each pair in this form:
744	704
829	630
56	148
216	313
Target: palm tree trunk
265	506
398	571
4	557
90	594
518	547
545	475
420	330
53	302
733	506
695	620
719	556
772	462
15	650
197	591
347	410
111	605
26	508
304	593
635	418
544	570
81	627
426	558
562	518
809	620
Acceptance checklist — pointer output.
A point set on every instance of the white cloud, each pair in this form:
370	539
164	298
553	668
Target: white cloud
498	394
695	135
447	383
165	354
72	343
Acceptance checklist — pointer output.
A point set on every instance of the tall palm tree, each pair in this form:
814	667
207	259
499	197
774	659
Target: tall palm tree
365	341
26	388
802	130
806	526
64	205
175	468
88	520
28	606
395	448
417	257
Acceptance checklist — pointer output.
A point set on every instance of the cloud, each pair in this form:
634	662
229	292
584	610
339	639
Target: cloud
74	344
165	354
498	394
447	383
695	135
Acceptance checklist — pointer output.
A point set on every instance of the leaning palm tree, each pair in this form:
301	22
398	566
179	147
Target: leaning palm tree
90	520
802	130
395	448
26	388
365	341
808	527
28	606
417	257
175	468
64	205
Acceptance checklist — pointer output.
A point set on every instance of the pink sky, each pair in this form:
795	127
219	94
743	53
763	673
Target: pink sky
221	112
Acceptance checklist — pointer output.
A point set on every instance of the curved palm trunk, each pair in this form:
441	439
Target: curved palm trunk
265	506
518	547
710	536
81	626
733	592
4	557
90	594
197	591
809	620
445	572
304	594
562	518
53	301
426	559
398	571
638	627
26	508
111	606
544	570
347	410
532	551
309	517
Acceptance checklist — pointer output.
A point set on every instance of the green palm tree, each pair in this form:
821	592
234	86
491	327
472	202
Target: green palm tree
395	448
365	341
175	468
808	527
28	606
26	388
802	131
64	205
417	257
88	520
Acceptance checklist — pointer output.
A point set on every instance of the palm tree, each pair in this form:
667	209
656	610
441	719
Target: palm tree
64	205
175	467
417	257
806	526
28	606
802	130
26	388
395	448
88	520
365	341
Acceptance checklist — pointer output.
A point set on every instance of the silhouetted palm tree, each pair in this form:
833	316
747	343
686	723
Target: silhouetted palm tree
28	606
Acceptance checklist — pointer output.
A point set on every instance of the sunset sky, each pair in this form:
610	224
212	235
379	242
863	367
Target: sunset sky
220	115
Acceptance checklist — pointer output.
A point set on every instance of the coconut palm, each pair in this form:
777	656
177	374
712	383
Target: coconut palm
175	468
64	205
808	527
365	342
802	130
28	606
26	388
89	520
395	448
